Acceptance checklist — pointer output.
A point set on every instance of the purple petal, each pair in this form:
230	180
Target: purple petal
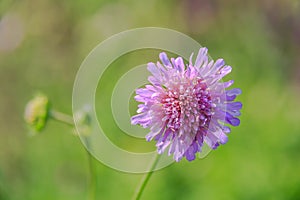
143	119
191	59
230	98
154	80
190	153
179	64
218	64
164	142
164	59
226	129
142	108
155	131
204	70
199	138
234	105
231	94
144	92
232	120
140	98
234	91
201	57
225	70
154	70
211	140
223	137
228	84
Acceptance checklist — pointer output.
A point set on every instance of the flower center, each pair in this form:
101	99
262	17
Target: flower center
188	107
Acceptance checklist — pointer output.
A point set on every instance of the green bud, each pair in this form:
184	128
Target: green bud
37	112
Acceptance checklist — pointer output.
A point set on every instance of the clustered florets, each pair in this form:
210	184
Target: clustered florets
187	106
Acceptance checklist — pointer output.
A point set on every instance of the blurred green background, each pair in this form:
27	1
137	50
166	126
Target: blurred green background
43	42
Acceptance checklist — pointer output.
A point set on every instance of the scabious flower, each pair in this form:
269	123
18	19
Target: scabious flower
185	106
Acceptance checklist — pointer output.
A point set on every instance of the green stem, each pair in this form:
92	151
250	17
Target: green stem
67	119
93	181
145	179
61	117
93	173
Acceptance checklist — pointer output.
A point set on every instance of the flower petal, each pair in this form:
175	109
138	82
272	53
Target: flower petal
201	57
232	120
165	60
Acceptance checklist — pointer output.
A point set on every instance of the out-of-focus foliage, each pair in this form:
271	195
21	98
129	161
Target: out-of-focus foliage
42	44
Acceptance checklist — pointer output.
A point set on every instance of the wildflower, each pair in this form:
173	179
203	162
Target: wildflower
187	106
37	112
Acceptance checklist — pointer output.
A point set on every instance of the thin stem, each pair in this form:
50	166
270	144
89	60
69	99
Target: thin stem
67	119
145	179
93	181
93	173
61	117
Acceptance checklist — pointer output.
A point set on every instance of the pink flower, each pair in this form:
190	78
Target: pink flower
187	106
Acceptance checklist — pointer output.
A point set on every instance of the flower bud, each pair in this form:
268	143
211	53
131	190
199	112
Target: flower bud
37	112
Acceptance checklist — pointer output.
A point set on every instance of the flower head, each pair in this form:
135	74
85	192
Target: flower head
185	106
37	112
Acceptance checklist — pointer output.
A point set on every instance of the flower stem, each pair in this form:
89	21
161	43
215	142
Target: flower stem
93	172
61	117
67	119
93	178
145	179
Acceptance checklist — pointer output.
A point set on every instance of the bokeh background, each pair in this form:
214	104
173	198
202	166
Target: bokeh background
42	44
